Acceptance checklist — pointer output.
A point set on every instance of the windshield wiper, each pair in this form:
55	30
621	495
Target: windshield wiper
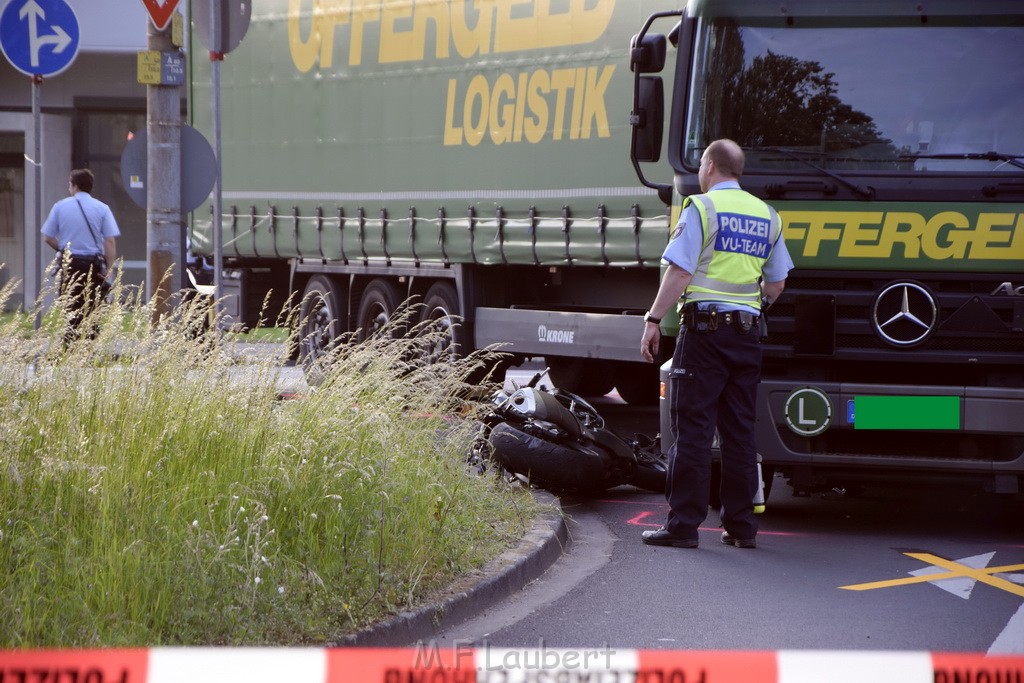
1012	159
865	192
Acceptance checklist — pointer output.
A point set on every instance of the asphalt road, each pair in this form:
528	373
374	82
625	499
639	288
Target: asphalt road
899	568
902	568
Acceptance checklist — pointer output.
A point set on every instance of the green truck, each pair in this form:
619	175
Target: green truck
476	154
888	136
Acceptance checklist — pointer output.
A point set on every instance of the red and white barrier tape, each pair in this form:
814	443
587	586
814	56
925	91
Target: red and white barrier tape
489	664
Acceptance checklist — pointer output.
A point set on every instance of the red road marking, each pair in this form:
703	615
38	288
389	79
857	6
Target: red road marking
640	520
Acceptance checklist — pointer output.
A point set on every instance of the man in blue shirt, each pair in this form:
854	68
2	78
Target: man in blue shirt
83	232
727	260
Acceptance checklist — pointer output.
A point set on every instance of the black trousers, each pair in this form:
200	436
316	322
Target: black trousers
714	382
82	286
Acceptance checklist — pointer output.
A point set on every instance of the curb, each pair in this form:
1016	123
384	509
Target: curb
471	595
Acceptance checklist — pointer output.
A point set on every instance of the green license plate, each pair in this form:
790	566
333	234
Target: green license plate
906	412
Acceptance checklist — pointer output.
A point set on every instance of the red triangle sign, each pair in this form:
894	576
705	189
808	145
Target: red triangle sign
160	11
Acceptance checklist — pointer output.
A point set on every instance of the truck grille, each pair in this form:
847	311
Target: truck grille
825	317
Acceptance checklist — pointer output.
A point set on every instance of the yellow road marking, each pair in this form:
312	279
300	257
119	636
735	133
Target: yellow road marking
956	570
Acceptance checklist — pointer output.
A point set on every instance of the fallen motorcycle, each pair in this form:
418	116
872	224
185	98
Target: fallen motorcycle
555	440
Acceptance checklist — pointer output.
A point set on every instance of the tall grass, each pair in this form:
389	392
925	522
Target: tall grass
155	491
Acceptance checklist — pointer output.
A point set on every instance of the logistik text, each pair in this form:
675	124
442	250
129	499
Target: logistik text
527	105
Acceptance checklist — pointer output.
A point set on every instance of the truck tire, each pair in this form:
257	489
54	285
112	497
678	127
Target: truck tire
637	383
320	323
441	309
378	303
583	376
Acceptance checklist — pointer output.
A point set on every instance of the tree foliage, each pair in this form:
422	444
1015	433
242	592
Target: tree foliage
779	100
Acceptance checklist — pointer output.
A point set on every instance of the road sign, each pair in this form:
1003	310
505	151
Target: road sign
160	11
234	22
39	37
198	168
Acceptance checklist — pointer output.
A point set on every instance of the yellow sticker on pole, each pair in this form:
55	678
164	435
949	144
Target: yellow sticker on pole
148	67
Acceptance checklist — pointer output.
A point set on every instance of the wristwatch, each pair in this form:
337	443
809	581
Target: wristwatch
648	318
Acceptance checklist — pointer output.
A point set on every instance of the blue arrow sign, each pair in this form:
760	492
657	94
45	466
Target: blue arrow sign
39	37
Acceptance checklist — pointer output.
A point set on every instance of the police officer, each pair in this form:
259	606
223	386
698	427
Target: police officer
85	229
726	243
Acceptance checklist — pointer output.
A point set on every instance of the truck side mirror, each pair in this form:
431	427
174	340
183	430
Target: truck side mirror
648	119
647	57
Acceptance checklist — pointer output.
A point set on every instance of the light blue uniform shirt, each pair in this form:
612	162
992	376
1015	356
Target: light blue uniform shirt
686	245
67	225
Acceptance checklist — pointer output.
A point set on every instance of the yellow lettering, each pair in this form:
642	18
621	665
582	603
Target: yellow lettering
594	112
1017	247
473	27
363	12
399	45
410	44
874	235
995	236
536	125
860	235
515	106
577	103
561	81
475	128
452	134
524	78
794	224
476	40
574	25
938	241
304	51
818	232
437	12
893	232
502	109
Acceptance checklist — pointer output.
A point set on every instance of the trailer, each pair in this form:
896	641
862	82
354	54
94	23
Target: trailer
473	155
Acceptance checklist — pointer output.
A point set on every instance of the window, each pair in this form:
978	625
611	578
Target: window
880	98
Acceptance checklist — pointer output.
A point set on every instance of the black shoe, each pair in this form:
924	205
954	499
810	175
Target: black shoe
738	542
663	537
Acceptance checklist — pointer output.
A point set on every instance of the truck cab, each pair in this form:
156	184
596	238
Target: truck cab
888	137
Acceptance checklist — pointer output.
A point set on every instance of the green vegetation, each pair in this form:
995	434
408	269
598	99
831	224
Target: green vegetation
155	490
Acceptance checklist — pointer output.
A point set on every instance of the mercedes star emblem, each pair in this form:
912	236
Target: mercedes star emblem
904	314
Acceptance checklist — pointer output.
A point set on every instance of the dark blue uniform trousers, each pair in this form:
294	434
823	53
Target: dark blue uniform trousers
713	380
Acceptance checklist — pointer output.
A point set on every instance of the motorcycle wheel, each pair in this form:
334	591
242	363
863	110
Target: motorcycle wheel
559	468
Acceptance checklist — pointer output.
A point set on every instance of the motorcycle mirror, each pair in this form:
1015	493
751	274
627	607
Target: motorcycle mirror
536	378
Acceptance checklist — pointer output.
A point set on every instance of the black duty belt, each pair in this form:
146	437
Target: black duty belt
710	319
87	261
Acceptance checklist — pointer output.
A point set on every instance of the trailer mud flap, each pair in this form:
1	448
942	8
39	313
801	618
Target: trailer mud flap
581	335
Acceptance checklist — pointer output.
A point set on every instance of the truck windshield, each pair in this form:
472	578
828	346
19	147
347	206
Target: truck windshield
866	99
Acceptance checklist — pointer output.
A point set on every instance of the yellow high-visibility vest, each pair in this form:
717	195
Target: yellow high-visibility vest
742	230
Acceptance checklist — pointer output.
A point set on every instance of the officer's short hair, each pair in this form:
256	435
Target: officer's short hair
728	157
82	178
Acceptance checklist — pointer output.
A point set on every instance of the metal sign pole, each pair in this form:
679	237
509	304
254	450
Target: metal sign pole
163	199
40	39
33	264
216	57
228	22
